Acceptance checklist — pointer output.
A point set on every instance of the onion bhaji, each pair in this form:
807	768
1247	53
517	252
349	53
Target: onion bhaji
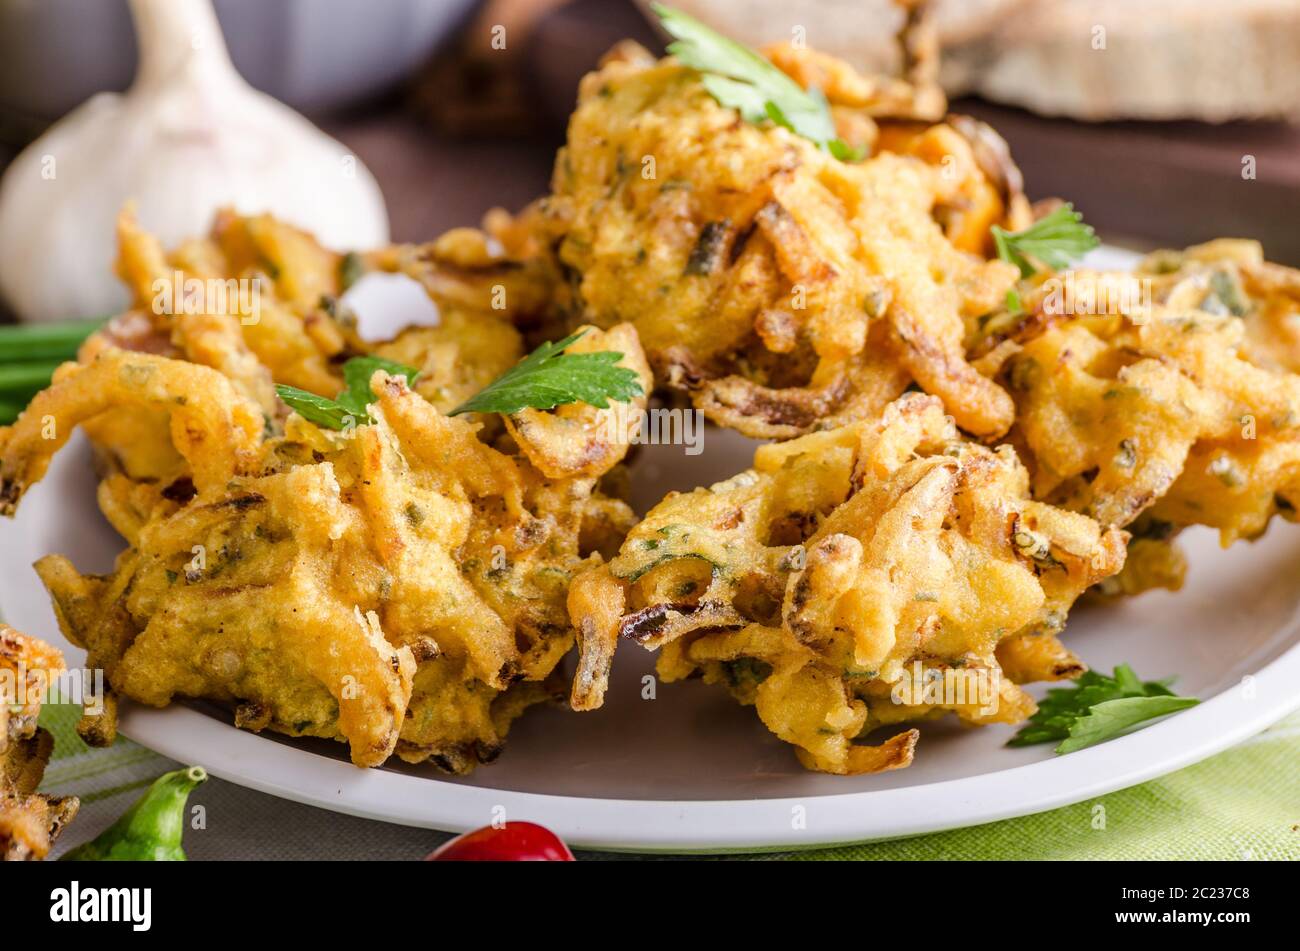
400	587
1159	399
27	667
783	289
293	329
29	821
845	571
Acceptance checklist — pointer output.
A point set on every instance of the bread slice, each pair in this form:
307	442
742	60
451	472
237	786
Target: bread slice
1212	60
860	32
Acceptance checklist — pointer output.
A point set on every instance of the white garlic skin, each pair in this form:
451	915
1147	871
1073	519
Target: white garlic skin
188	138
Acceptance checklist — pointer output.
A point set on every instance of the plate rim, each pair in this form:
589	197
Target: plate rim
728	825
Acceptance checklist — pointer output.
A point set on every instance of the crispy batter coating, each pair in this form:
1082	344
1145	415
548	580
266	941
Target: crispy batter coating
1154	561
783	289
503	270
400	586
493	288
914	94
1166	392
29	821
197	303
27	667
845	571
1231	276
213	428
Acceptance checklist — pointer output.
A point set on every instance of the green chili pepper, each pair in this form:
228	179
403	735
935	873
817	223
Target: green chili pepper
150	831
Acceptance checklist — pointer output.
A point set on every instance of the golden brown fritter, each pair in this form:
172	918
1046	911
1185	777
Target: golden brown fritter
29	821
27	668
1154	560
196	303
258	300
783	289
1145	393
846	571
400	586
1230	276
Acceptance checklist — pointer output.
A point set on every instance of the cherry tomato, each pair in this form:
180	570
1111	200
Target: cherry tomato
512	842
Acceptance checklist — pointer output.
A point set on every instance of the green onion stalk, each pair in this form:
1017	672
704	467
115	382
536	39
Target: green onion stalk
29	355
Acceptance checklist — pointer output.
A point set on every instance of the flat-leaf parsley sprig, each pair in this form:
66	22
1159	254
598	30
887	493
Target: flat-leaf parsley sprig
1096	708
349	407
546	378
1057	240
739	78
550	377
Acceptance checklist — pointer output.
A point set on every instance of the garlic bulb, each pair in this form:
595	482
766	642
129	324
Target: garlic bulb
187	138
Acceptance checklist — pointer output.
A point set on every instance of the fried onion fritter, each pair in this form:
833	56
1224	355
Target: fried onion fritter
783	289
400	587
849	569
27	668
1230	276
1165	392
29	821
258	300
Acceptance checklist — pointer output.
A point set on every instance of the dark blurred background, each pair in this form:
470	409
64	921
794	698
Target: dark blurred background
451	125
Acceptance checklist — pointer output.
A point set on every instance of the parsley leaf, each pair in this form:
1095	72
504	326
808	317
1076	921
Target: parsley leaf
1056	240
1115	716
321	410
549	377
546	378
356	395
349	407
1097	708
741	79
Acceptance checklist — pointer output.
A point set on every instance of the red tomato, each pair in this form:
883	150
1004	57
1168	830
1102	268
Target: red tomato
512	842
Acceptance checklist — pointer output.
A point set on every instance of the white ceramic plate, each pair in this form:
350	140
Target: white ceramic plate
691	770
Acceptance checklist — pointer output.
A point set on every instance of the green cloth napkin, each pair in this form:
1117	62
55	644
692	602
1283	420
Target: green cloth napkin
1242	804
